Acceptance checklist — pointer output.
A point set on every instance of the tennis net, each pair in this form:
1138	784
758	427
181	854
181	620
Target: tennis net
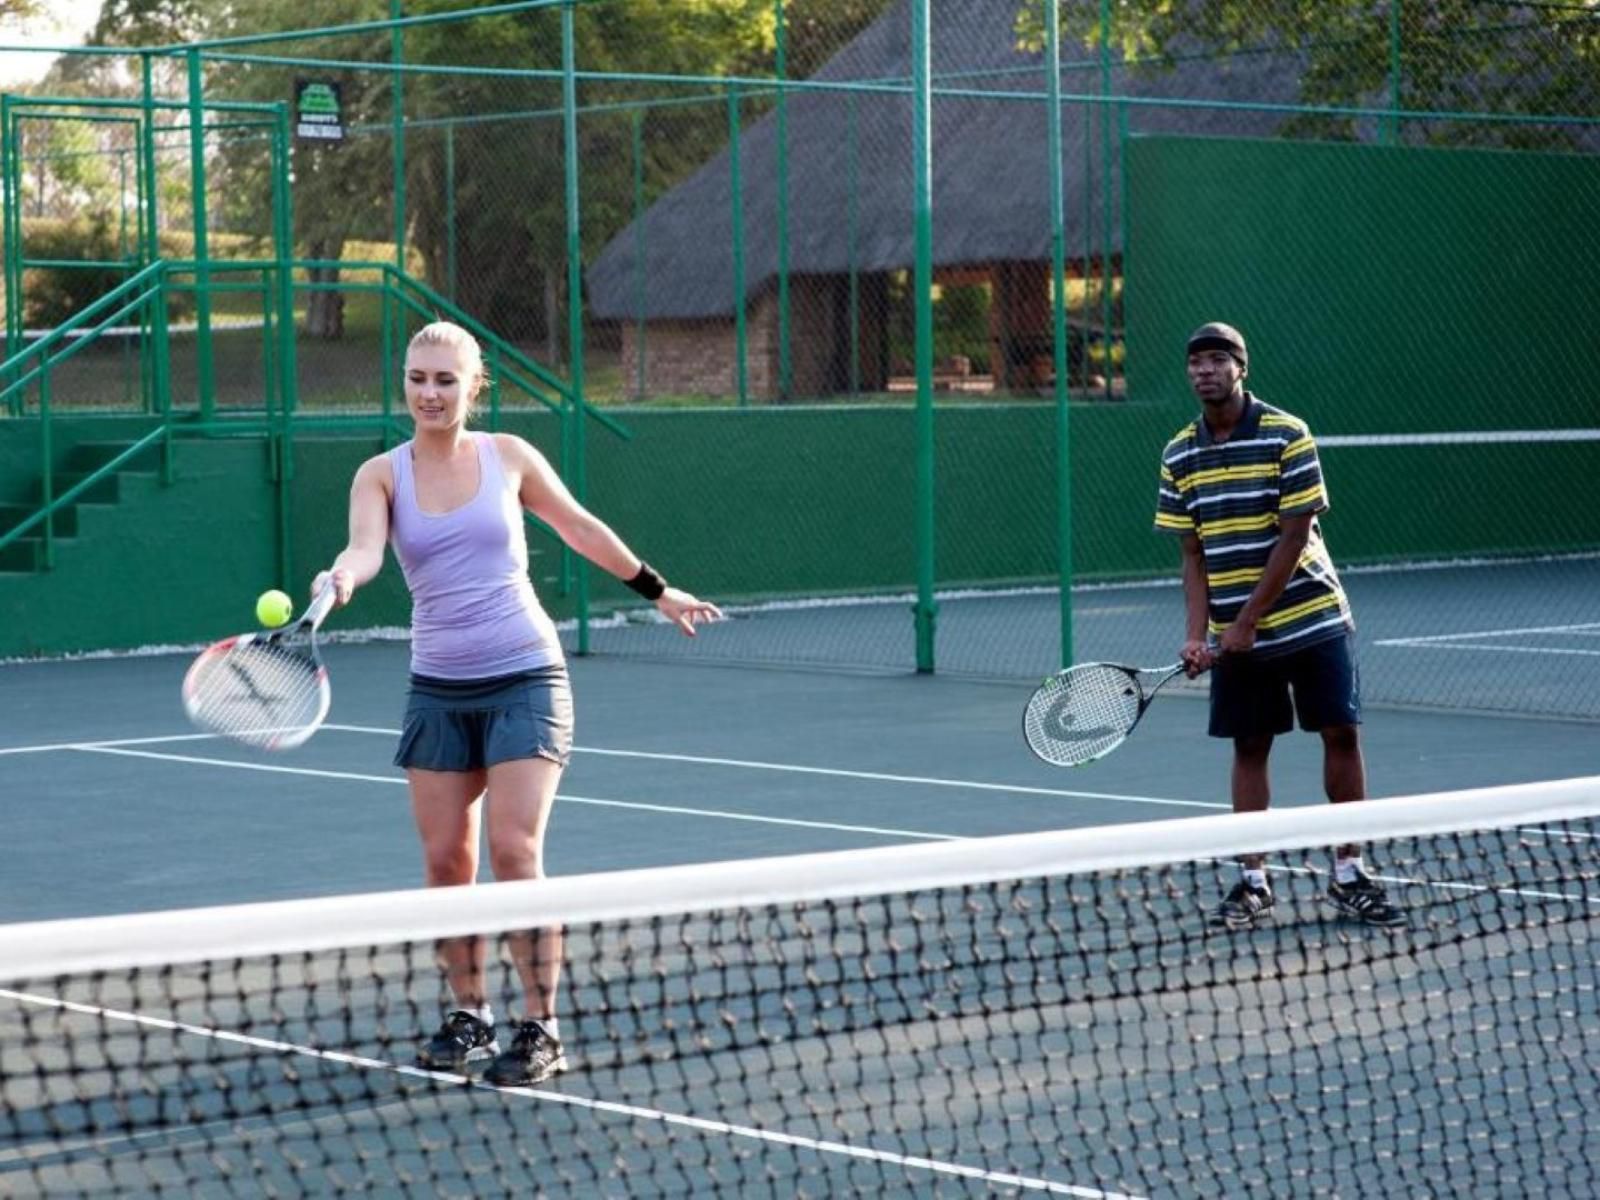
1046	1012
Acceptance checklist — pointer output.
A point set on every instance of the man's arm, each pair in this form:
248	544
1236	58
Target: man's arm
1196	652
1293	535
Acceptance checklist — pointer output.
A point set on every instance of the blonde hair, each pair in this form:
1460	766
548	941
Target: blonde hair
447	333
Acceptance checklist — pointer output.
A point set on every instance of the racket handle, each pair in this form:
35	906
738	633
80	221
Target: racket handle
321	606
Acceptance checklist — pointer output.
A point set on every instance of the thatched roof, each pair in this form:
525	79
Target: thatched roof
991	191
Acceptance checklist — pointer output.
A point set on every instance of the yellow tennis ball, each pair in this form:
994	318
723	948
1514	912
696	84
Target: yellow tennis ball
274	608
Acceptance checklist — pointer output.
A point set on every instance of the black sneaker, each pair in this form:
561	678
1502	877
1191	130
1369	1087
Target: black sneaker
1363	898
462	1039
534	1056
1243	907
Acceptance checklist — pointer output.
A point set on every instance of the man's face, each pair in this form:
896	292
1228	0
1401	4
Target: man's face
1214	374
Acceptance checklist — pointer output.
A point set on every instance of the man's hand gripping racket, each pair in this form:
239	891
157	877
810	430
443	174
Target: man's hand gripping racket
268	690
1086	712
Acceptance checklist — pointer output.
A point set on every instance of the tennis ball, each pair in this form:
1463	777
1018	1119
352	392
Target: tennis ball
273	608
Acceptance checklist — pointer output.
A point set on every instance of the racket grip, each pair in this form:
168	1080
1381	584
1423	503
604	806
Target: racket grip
321	605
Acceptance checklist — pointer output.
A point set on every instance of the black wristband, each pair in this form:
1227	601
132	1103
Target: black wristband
647	583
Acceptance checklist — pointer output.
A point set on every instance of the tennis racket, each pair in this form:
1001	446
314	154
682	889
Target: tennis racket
268	690
1084	713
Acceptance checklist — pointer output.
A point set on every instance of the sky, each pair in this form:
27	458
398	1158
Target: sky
62	23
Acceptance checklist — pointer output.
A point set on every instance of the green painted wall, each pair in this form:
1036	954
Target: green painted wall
164	565
1382	289
20	447
737	504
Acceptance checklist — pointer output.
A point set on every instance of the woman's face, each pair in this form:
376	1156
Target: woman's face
440	381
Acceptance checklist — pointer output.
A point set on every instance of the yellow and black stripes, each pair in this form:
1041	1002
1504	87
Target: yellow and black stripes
1233	496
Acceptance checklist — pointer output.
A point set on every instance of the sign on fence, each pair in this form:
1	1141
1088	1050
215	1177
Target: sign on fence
317	112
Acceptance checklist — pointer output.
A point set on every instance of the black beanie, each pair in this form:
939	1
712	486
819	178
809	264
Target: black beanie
1217	336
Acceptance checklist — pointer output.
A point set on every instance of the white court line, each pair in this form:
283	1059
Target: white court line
142	741
1461	437
875	831
564	797
873	776
1419	645
603	1106
1585	628
700	760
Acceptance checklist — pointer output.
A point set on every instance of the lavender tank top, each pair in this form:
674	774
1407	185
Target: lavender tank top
474	614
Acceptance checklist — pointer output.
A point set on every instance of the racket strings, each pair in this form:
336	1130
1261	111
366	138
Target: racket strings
258	693
1085	713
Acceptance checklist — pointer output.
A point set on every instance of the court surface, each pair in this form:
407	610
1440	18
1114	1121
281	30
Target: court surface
123	808
110	803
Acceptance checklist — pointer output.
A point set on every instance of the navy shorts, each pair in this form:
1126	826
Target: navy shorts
470	724
1250	695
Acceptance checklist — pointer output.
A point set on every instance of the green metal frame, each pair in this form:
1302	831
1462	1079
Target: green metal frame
405	299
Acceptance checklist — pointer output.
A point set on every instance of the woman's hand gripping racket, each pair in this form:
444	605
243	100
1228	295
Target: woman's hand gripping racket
268	690
1084	713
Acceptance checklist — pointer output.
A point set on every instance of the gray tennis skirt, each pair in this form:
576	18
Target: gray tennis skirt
470	724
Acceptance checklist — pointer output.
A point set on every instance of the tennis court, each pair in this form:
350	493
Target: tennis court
1082	1034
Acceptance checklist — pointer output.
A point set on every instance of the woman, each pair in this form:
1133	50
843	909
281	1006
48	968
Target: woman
489	712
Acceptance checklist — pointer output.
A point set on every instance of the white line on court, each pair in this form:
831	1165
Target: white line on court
604	1106
1525	631
1419	645
564	797
873	776
717	814
142	741
699	760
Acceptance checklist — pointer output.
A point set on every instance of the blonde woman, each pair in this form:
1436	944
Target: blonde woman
488	724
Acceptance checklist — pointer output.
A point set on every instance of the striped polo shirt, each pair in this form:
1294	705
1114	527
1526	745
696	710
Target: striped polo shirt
1232	494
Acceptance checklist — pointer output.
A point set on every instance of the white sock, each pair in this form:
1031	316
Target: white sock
484	1013
1256	877
1345	870
550	1025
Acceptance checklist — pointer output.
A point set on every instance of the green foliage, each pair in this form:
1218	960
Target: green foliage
1453	56
961	325
53	294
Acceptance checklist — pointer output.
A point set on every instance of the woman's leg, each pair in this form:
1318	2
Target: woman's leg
445	805
521	794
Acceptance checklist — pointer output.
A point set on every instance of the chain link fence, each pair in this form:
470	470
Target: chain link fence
713	206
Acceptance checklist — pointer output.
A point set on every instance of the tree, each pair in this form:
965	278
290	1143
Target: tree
1455	56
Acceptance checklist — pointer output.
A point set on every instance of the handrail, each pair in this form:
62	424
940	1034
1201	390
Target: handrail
438	304
83	485
44	365
154	271
36	360
540	372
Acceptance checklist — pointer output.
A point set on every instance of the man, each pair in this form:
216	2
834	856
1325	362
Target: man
1241	486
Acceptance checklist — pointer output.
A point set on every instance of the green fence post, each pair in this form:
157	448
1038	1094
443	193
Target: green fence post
150	230
161	372
638	252
1058	281
1105	189
122	249
11	164
386	319
46	464
927	609
449	211
569	120
202	249
852	219
785	361
1391	122
736	200
397	133
494	389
